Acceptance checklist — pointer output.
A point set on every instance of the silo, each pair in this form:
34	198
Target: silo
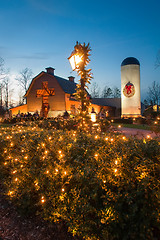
130	88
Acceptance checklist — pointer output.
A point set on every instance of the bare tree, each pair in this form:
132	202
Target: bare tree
116	93
107	92
153	94
2	71
95	90
24	78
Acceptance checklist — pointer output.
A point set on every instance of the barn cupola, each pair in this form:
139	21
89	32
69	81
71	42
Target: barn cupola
50	70
71	78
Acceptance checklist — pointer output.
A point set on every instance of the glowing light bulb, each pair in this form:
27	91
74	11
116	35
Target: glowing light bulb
10	193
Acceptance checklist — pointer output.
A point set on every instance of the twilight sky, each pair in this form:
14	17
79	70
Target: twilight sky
42	33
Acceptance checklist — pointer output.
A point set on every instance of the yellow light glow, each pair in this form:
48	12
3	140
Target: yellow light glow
119	126
16	179
148	136
96	137
42	199
56	170
75	60
106	138
93	117
10	193
112	139
59	151
14	171
116	162
65	173
63	190
115	170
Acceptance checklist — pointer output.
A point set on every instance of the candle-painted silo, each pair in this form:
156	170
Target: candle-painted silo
130	88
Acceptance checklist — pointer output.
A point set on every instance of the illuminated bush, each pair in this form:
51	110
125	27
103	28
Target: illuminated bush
102	186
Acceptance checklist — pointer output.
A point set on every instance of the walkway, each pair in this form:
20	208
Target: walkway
140	133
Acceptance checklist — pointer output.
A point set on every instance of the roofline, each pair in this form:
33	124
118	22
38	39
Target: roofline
33	80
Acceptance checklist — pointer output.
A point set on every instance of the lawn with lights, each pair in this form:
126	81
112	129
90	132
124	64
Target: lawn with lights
103	186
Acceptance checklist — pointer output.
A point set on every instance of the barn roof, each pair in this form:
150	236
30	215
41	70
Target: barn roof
66	85
112	102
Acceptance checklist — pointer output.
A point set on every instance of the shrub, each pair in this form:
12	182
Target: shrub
103	186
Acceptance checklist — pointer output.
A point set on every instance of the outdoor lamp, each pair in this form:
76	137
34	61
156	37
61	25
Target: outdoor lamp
93	115
74	60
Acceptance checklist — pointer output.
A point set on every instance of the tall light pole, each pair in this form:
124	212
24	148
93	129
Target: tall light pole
79	59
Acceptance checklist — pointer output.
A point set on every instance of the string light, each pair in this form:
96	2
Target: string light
42	199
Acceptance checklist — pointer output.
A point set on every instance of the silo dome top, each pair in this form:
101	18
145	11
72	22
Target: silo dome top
129	61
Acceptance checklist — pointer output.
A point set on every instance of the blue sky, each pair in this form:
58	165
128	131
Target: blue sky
42	33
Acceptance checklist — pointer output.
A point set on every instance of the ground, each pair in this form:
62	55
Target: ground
16	227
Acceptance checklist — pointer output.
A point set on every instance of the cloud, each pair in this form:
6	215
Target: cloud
37	56
56	8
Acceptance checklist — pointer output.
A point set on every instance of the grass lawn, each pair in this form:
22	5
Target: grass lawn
136	126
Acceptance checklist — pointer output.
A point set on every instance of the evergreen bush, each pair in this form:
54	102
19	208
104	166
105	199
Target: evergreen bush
102	185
